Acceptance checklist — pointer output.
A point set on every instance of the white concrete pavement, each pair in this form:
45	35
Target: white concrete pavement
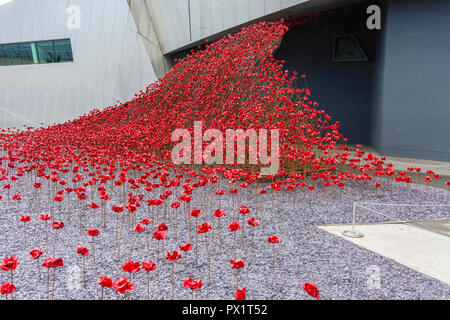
419	249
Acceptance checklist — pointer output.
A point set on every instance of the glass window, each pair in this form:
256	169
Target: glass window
11	54
50	51
46	51
347	48
2	56
28	53
63	51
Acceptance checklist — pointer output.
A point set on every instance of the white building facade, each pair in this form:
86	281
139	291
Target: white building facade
110	62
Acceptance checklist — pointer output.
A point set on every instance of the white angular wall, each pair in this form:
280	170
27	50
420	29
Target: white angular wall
181	22
110	61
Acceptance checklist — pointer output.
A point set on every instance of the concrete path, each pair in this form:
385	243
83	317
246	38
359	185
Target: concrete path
422	250
438	226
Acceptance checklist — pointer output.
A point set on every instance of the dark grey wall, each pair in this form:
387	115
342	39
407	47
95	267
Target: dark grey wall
411	112
398	101
343	89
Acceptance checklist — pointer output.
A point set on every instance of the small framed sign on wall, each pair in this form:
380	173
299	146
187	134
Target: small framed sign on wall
347	49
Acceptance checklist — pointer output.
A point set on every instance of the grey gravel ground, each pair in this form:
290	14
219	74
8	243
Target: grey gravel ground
305	254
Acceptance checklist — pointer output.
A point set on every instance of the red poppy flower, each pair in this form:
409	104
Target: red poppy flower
244	210
49	263
9	263
237	264
219	213
148	266
173	256
195	212
312	290
252	222
186	247
7	288
45	217
17	197
273	239
94	206
58	262
105	282
117	209
146	221
162	227
234	226
34	254
204	228
175	205
131	266
93	232
159	235
192	284
139	228
57	225
83	251
25	219
123	285
240	294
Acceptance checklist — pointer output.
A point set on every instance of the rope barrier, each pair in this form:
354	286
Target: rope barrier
355	234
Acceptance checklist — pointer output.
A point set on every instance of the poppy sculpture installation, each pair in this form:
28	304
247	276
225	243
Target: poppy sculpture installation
117	161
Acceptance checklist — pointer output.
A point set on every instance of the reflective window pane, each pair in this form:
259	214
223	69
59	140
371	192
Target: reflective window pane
46	51
28	53
63	51
11	54
2	56
49	51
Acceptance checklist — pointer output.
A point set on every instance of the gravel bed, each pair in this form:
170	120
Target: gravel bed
305	254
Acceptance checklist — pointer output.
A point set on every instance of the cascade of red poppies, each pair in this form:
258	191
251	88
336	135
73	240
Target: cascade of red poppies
124	150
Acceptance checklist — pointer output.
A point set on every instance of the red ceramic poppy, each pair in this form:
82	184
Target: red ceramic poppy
273	239
237	264
234	226
123	285
131	266
105	282
195	212
186	247
93	232
204	228
139	228
173	256
148	266
7	288
240	294
312	290
34	254
192	284
9	263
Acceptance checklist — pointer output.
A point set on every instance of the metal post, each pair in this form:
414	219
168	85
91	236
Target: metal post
353	233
